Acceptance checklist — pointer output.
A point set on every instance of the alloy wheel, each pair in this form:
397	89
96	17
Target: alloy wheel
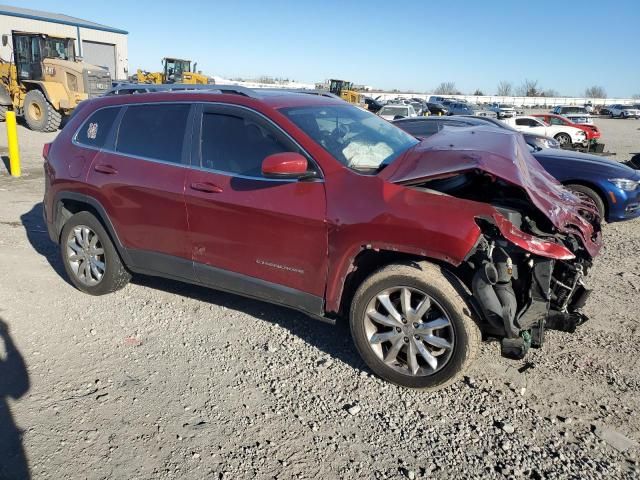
409	331
85	255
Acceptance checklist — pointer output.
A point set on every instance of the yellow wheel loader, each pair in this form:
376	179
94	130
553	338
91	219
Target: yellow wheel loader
344	90
174	70
44	80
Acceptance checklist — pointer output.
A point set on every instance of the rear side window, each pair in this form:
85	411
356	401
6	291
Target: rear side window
96	128
236	144
153	131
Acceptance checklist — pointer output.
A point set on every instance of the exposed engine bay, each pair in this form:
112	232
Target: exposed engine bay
519	290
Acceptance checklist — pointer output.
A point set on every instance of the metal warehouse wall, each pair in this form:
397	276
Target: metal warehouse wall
9	23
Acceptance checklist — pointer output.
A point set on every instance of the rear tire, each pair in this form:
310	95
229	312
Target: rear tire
593	195
89	257
394	349
39	113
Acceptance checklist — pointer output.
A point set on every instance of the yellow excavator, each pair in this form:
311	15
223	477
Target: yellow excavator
345	91
44	81
174	70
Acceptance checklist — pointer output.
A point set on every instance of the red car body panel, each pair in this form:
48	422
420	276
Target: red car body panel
275	233
502	154
303	235
144	200
592	132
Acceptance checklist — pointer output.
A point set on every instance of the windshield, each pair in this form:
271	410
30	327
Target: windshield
358	139
403	111
60	48
504	105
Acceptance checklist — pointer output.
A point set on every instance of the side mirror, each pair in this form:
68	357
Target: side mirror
285	165
5	40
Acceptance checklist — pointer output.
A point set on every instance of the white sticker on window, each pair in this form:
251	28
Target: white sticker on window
92	131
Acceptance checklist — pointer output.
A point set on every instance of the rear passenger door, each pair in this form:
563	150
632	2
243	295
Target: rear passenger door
259	236
139	179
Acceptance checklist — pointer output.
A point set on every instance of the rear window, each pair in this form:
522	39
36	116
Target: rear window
96	128
419	129
153	131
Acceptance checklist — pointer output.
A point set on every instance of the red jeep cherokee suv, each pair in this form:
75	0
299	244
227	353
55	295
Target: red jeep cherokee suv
308	202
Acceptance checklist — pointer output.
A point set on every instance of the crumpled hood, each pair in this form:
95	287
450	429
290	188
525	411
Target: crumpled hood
504	154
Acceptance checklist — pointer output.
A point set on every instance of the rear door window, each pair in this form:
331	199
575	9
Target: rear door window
154	131
95	130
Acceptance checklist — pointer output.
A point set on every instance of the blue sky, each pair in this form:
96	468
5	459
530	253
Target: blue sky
565	45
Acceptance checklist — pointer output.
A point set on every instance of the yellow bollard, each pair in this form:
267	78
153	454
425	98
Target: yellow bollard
12	139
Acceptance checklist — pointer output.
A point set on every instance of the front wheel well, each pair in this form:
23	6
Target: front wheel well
366	263
593	187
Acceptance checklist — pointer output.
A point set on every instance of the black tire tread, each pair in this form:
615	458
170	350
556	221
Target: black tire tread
53	117
433	275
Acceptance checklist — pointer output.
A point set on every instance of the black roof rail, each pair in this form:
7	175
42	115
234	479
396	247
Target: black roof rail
124	88
308	91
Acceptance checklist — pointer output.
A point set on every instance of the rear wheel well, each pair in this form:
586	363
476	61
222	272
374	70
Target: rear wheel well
364	264
68	207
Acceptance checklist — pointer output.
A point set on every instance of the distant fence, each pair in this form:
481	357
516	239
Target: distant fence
517	101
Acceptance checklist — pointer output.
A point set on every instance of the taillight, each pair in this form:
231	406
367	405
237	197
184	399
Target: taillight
45	151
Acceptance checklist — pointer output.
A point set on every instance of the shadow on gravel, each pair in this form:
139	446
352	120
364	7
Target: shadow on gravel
14	383
335	340
5	159
38	237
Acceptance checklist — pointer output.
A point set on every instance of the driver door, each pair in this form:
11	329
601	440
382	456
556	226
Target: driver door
263	237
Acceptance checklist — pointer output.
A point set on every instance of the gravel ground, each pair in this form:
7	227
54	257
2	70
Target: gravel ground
165	380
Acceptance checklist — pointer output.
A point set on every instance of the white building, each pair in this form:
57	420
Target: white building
97	44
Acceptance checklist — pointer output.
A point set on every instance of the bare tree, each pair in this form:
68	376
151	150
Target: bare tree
505	89
529	88
595	92
478	93
549	92
446	88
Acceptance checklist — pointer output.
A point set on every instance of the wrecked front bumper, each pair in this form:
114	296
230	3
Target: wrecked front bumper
523	285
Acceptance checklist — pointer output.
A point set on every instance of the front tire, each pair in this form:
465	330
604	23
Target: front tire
39	113
412	327
593	196
89	257
564	139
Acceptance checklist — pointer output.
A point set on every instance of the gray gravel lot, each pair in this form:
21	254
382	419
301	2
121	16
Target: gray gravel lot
165	380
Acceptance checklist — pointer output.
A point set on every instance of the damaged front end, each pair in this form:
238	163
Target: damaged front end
521	293
527	269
